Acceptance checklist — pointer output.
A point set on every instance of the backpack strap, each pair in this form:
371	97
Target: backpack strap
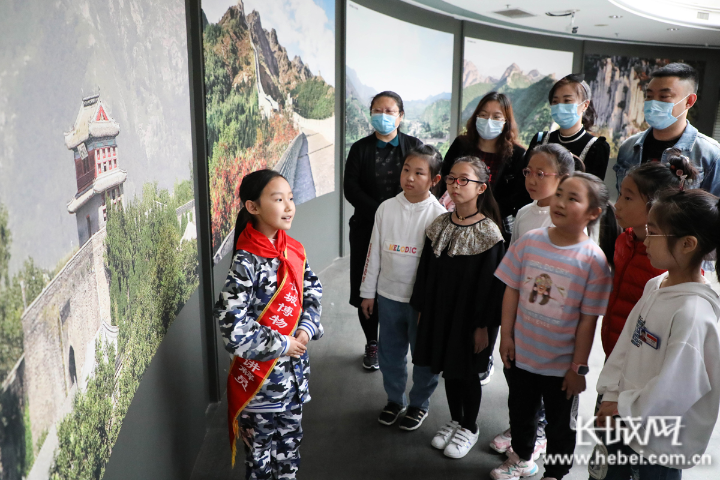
587	149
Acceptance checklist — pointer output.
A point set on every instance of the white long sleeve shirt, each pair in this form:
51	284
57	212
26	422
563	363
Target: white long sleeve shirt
679	378
396	245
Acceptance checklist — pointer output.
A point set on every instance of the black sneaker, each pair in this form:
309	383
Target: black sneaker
413	419
390	413
370	360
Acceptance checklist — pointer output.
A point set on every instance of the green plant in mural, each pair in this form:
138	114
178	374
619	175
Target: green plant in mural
314	99
152	274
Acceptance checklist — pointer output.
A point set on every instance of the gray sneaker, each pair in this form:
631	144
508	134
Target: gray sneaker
370	360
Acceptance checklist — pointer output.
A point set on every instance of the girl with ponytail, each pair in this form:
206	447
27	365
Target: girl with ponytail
665	362
459	299
268	311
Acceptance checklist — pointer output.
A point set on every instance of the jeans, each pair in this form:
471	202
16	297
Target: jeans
398	329
641	470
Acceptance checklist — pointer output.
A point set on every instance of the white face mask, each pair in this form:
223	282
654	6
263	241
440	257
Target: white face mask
489	129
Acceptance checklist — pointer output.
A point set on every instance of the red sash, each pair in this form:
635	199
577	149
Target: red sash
281	314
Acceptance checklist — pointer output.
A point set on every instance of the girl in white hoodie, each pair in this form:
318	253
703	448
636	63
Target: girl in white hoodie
392	259
665	363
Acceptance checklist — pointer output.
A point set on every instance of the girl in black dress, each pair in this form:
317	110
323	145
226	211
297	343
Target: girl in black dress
459	299
572	109
372	175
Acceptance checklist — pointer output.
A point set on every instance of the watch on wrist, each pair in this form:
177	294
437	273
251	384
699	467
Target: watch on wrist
580	369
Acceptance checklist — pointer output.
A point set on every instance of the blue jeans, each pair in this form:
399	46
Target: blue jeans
398	329
641	470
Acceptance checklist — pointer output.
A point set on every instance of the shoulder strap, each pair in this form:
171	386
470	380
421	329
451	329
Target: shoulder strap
587	149
545	137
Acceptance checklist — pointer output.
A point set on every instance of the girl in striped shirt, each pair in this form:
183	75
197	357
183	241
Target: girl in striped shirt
558	283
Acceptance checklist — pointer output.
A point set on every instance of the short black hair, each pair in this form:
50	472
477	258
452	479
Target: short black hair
431	155
683	71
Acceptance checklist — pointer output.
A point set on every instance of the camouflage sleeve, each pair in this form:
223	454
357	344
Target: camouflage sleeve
312	294
242	335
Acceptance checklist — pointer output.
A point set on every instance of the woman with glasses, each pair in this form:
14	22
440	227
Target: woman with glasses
491	135
571	108
372	175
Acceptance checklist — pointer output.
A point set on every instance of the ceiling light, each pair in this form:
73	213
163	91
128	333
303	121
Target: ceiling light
615	16
514	13
601	25
673	29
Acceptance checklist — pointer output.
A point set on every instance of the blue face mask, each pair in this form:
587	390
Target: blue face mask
383	123
565	114
489	129
659	114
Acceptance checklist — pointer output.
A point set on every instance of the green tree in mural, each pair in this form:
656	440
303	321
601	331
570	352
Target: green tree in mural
314	99
152	274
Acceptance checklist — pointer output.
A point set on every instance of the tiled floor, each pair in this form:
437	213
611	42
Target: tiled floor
343	439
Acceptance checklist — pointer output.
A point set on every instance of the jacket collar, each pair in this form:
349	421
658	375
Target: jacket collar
685	142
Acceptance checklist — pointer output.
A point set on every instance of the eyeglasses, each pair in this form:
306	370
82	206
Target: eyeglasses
539	174
647	233
462	181
377	111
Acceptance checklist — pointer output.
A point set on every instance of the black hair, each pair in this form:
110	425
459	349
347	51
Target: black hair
683	71
599	197
690	213
251	189
430	154
583	91
486	203
564	160
389	94
653	177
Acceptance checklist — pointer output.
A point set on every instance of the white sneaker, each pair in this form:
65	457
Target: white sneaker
461	443
514	469
540	448
502	441
444	435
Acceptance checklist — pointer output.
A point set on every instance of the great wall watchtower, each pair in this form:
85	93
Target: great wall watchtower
92	141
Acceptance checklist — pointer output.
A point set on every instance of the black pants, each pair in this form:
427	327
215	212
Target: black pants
464	396
526	391
369	325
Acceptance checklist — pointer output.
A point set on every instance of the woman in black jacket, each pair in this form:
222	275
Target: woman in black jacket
372	175
492	136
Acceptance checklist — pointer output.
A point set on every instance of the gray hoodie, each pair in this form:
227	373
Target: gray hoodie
667	363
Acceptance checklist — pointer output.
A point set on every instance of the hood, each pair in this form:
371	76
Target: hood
416	206
676	292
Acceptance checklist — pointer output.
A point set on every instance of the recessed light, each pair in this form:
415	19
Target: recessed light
601	25
673	29
615	16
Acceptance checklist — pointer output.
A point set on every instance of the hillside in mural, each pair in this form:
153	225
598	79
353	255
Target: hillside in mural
618	89
428	119
264	110
527	92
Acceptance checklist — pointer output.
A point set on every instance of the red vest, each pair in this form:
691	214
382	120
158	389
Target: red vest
632	271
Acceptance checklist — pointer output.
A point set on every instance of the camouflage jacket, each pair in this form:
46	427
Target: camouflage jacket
251	283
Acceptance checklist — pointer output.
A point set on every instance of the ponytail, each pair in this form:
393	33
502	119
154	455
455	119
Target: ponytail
251	188
652	178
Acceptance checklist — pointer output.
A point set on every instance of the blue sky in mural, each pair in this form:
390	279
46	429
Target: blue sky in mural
390	54
304	27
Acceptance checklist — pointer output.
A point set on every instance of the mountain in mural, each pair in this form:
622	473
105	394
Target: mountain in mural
527	92
618	85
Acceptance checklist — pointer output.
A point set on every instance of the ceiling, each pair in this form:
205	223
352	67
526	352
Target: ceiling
664	22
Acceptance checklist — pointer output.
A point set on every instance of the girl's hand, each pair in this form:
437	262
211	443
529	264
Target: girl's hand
481	339
507	350
302	337
605	413
573	384
295	348
367	306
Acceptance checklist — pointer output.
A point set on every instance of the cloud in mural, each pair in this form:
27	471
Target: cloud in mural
304	27
390	54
